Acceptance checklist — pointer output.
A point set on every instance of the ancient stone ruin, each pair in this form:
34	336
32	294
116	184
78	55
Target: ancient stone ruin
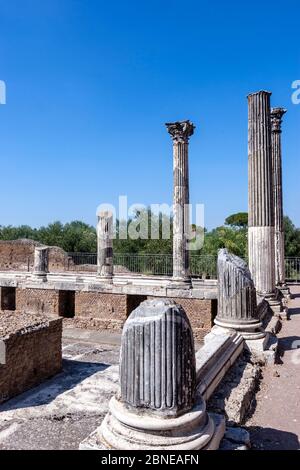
30	351
164	384
237	301
158	407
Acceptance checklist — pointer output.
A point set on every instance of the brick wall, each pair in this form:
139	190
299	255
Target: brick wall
18	255
38	301
108	311
30	358
200	313
95	309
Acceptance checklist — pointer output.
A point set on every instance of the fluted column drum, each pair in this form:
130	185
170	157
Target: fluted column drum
276	122
260	201
180	133
236	291
237	304
157	366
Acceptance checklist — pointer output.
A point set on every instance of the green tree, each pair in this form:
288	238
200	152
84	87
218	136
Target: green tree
238	220
292	238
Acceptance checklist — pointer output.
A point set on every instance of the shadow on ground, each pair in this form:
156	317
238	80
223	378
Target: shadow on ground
288	343
73	372
272	439
293	311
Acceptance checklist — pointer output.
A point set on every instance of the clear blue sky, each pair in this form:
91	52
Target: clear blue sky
90	84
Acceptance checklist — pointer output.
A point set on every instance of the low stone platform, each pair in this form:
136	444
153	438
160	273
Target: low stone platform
30	351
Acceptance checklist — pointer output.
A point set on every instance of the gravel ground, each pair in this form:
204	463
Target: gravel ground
275	425
12	322
64	410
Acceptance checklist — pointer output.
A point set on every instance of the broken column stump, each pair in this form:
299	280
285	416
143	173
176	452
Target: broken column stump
157	407
237	300
40	267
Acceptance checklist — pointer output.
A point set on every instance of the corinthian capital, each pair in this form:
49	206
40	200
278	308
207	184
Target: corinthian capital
276	118
180	131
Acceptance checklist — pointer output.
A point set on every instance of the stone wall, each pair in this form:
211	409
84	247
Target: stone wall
95	309
201	314
101	310
18	255
38	301
30	351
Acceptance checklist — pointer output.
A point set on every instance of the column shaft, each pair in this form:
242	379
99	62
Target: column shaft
180	133
181	213
40	267
105	247
276	120
260	191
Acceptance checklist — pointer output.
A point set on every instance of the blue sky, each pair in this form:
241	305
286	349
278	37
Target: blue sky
90	84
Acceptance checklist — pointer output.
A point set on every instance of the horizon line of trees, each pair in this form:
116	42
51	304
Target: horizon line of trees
77	236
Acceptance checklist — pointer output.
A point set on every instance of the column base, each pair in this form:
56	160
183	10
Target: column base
39	276
105	279
274	303
180	283
124	429
251	330
285	291
257	344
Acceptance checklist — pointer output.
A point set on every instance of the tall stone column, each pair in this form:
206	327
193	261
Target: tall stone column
40	266
105	246
180	133
276	121
260	198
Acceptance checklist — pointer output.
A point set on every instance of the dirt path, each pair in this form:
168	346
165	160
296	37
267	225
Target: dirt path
275	423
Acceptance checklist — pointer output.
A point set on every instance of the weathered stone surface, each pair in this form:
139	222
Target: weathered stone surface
40	267
180	132
157	408
235	396
276	121
105	247
31	349
18	255
157	365
237	307
261	213
237	294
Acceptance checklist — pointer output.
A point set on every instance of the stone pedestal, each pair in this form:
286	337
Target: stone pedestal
40	266
260	192
276	121
237	305
180	133
105	247
157	407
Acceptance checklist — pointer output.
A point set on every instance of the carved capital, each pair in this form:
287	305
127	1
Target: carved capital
180	131
276	118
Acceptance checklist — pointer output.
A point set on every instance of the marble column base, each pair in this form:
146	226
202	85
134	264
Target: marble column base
39	276
128	429
180	283
285	291
257	344
251	330
274	302
105	279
